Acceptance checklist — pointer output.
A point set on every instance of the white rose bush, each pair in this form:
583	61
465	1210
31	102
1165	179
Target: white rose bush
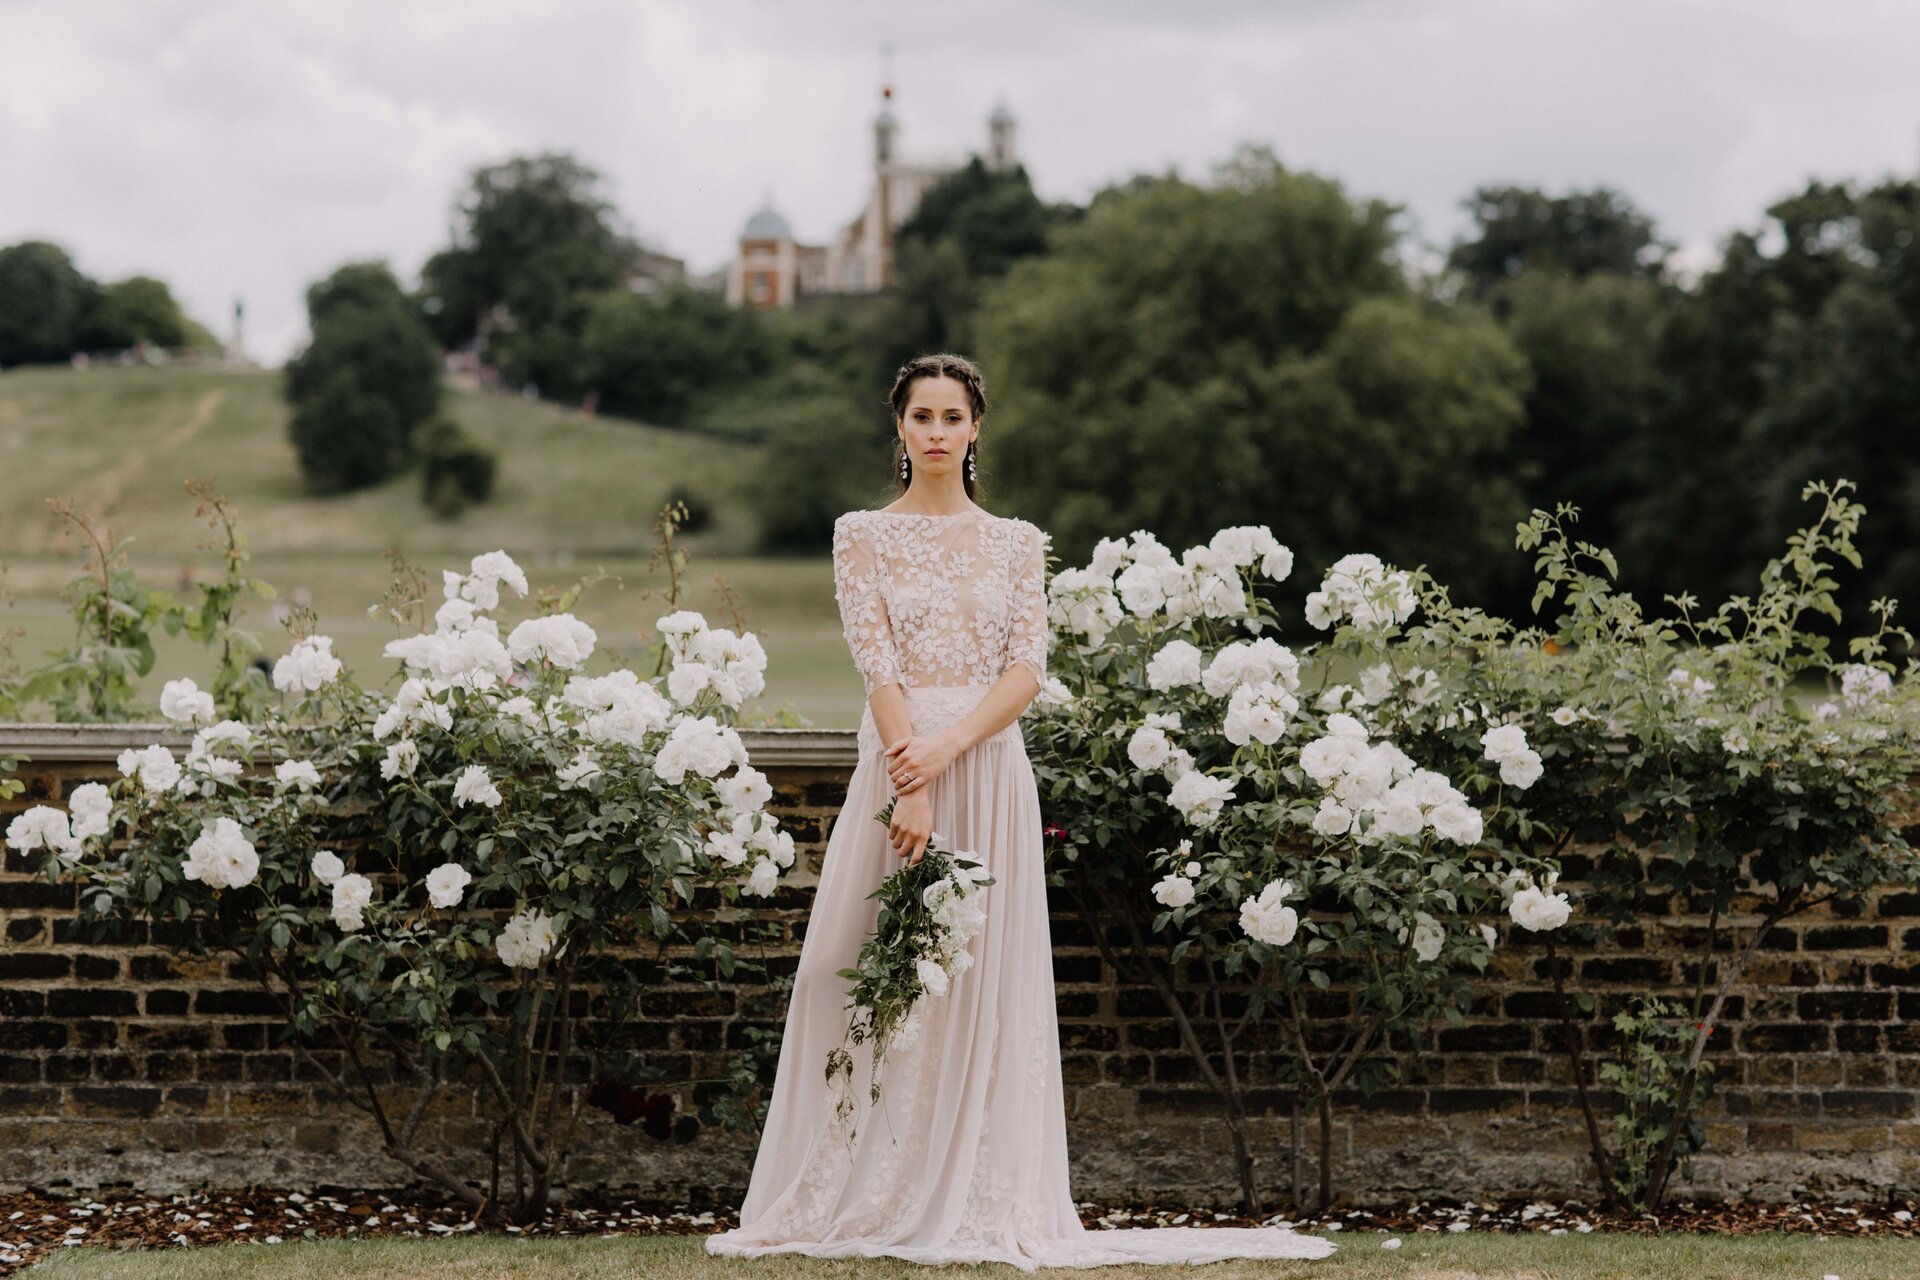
1311	853
432	880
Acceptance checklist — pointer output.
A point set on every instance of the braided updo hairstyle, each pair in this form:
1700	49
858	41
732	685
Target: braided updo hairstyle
944	365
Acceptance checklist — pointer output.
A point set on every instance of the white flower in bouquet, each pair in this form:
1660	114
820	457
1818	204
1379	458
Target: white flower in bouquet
307	667
932	976
184	702
1177	664
703	746
1258	712
403	757
91	807
525	939
1536	909
43	827
326	866
763	879
447	884
1264	917
580	772
154	766
906	1033
297	773
474	787
1200	797
352	894
561	639
1861	684
1173	891
221	856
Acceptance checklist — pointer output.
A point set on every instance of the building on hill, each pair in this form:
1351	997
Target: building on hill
773	269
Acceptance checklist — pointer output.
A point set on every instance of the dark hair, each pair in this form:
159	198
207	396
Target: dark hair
944	365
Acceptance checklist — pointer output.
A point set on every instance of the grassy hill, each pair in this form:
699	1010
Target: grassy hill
574	494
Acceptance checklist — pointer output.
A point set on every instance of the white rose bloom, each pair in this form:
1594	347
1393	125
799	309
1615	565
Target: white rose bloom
932	977
456	615
183	702
730	845
43	827
1734	742
1564	715
763	878
1258	713
1199	797
403	757
1428	937
1504	741
488	573
580	772
1192	868
679	625
1178	765
1053	693
447	883
298	773
475	787
525	938
703	746
352	894
1458	822
1376	682
1264	919
906	1033
1176	665
1325	759
1173	891
1491	935
778	844
1520	771
307	667
561	639
1148	749
326	866
1535	909
745	791
1332	818
92	810
1142	588
221	856
1400	816
521	708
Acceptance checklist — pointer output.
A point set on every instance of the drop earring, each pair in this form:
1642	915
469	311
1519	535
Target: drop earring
970	473
906	468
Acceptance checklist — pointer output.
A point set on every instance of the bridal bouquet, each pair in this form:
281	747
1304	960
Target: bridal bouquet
929	910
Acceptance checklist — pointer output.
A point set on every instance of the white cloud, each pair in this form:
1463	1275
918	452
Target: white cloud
245	149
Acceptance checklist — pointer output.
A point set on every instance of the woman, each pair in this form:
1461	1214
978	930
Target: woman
944	608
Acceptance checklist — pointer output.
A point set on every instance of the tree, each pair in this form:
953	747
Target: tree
659	357
533	246
1188	357
45	303
367	380
1581	233
137	309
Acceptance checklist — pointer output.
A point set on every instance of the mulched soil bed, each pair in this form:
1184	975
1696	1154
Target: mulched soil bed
32	1225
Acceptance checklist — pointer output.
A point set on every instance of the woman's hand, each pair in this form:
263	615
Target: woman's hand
914	762
911	827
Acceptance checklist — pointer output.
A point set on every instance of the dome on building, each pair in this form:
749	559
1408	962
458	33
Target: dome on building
767	225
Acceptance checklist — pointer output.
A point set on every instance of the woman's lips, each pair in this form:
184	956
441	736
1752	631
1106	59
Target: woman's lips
936	453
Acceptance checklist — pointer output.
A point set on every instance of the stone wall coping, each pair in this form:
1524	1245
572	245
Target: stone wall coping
789	748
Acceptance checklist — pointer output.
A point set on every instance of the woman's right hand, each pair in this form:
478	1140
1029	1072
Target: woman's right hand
912	825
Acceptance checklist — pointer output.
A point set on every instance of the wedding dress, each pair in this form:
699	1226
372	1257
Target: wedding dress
964	1160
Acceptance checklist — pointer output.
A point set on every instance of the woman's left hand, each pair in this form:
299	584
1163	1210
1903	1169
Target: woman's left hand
914	762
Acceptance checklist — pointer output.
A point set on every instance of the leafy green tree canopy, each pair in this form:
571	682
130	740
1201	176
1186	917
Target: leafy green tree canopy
1582	233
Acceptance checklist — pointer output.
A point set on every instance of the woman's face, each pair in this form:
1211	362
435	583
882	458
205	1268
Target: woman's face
938	424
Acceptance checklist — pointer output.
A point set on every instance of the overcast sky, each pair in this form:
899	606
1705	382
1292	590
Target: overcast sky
247	147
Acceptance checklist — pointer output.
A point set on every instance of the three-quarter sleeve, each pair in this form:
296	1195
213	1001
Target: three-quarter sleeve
857	581
1027	630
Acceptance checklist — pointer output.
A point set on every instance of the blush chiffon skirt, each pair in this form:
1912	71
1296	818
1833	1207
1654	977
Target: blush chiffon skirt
964	1160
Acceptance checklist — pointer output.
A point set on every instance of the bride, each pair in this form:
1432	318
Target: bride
944	609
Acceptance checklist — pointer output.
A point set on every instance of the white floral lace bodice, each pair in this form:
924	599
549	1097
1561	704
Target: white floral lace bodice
940	600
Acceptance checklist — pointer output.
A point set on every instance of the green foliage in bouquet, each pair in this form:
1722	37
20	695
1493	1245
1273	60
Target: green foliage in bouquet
929	910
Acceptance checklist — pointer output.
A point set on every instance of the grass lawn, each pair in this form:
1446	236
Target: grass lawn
1467	1256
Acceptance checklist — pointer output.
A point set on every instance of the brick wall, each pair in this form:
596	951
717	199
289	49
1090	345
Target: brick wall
125	1065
